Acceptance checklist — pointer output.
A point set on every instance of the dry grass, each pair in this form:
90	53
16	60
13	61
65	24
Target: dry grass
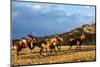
86	54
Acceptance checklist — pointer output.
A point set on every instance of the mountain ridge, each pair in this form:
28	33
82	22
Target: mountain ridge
88	29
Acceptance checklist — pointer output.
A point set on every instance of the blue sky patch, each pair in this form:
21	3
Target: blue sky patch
42	19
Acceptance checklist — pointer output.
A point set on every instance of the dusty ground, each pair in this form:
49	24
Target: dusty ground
86	54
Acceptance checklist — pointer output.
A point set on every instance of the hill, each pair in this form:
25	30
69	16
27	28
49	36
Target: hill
88	29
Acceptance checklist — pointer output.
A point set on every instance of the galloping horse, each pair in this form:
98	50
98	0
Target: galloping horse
57	43
22	43
31	41
51	44
77	41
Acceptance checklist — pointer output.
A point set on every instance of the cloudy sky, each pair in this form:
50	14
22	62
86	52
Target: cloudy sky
42	19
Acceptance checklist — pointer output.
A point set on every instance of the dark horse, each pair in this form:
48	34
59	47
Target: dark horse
77	41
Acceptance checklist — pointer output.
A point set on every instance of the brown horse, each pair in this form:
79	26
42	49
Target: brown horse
50	44
57	42
31	42
77	41
46	45
22	43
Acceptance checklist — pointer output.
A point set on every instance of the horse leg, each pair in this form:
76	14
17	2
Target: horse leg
80	46
41	50
58	48
77	45
46	49
31	51
55	48
22	50
50	50
18	50
70	47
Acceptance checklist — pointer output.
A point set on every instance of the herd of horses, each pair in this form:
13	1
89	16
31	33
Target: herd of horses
46	44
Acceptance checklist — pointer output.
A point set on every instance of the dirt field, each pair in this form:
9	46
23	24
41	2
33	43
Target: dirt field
64	56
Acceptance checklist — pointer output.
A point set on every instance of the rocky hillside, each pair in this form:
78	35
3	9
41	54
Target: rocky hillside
88	29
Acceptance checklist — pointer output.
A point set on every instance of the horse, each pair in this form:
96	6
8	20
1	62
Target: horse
31	42
46	45
22	43
57	42
77	41
51	44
